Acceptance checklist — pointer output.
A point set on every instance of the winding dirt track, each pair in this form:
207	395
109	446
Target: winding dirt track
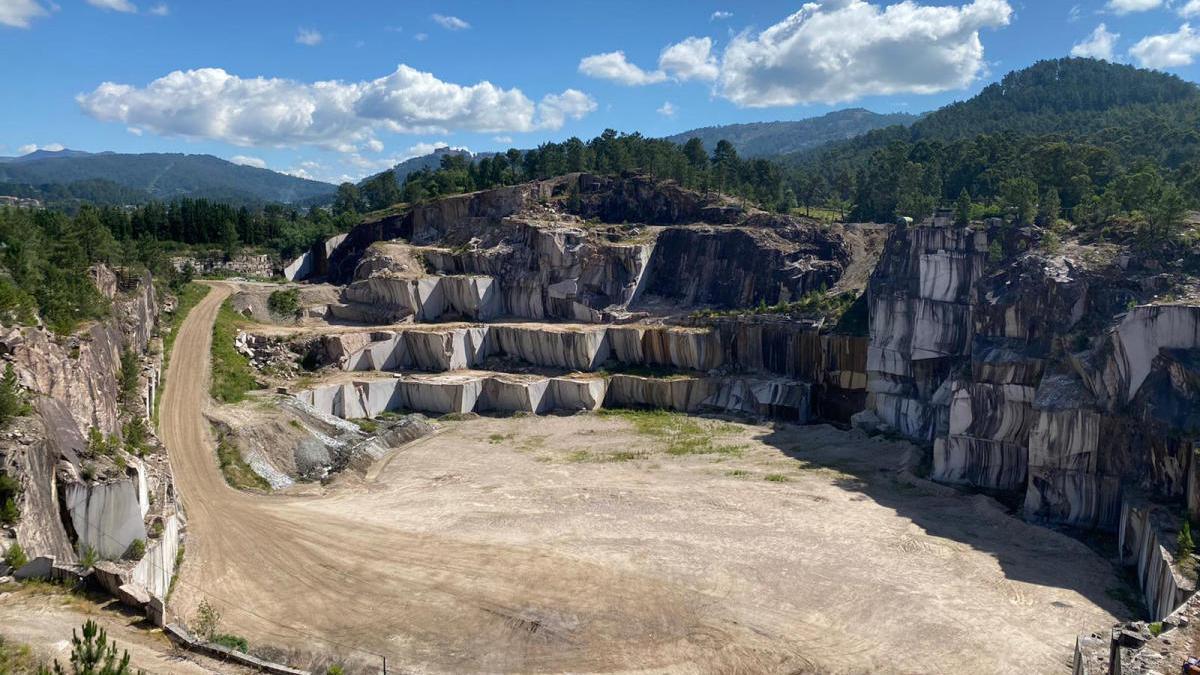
488	548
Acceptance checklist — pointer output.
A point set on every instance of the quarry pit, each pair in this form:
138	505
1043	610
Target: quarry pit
628	541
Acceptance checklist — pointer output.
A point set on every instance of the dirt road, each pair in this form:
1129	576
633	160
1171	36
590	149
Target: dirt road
525	545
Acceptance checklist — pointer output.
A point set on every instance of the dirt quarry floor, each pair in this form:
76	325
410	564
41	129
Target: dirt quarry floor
625	542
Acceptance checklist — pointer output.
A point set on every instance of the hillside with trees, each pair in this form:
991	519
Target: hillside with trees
164	176
768	139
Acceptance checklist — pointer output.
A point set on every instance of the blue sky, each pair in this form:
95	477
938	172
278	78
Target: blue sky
341	90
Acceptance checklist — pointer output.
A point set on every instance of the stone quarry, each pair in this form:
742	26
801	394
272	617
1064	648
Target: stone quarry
1063	385
1059	389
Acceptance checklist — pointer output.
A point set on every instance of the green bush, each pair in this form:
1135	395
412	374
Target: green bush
236	642
285	302
15	556
10	489
137	549
89	557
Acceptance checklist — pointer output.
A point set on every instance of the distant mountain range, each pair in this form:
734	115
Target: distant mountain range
161	176
767	139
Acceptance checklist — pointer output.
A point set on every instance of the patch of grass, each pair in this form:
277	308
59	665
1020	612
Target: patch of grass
367	426
677	433
237	472
232	375
1156	628
496	439
738	473
579	456
776	478
191	294
235	642
17	658
456	417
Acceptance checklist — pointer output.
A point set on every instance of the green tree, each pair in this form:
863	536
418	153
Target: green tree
1049	207
348	199
93	654
1020	195
12	397
962	208
724	160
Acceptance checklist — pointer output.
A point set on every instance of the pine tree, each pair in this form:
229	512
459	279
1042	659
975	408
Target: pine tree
962	208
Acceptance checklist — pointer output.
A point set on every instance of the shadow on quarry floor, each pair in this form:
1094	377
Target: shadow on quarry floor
1025	552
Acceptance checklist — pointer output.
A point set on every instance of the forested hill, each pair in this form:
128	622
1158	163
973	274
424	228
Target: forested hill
165	176
766	139
1074	99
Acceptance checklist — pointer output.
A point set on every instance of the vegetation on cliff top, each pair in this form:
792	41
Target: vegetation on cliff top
232	375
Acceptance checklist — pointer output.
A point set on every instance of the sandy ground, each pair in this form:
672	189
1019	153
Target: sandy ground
44	616
510	545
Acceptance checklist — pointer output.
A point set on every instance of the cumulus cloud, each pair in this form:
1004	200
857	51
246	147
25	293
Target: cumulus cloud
161	9
19	13
614	66
1131	6
555	109
308	36
450	22
841	50
720	15
1191	9
667	109
1098	45
211	103
114	5
34	147
246	160
374	145
690	59
502	139
1170	50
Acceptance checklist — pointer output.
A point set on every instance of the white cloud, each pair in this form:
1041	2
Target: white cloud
305	170
720	15
421	37
161	9
308	36
502	139
211	103
114	5
1131	6
614	66
374	145
690	59
1169	50
422	149
1098	45
845	49
18	13
246	160
34	147
555	109
1074	14
450	22
1191	9
134	130
667	109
